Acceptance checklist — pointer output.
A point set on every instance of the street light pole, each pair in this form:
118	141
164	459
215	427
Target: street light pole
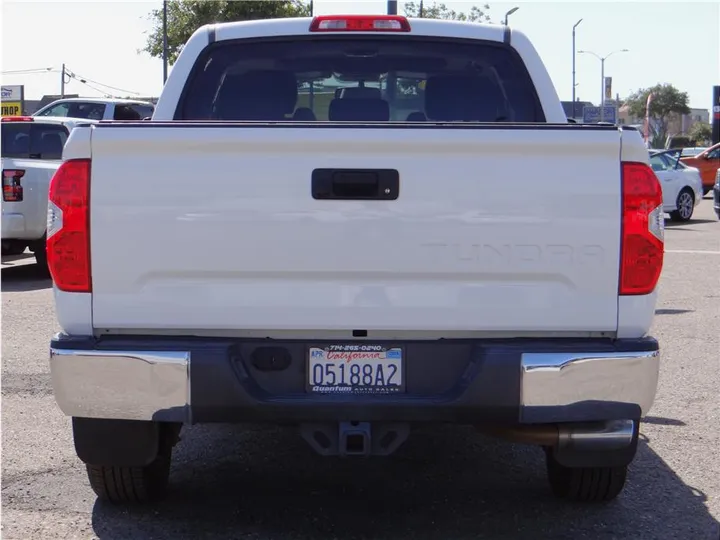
513	10
62	82
602	76
602	89
165	42
573	66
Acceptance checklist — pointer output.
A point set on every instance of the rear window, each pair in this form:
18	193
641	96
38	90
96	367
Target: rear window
360	80
30	140
132	112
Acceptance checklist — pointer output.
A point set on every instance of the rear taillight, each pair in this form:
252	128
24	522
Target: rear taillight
11	185
360	23
643	227
68	227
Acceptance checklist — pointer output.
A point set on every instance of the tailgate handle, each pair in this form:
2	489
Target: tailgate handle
356	184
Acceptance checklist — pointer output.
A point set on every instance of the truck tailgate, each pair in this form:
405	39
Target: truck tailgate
214	227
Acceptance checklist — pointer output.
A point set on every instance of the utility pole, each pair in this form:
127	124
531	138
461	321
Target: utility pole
420	14
573	67
392	7
165	43
62	81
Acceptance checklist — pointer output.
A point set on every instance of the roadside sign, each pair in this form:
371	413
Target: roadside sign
13	100
591	115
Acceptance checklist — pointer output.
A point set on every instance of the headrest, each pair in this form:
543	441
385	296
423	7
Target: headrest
416	116
20	144
359	110
51	145
304	114
257	95
360	92
466	98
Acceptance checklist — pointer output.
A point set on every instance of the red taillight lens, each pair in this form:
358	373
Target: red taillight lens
68	227
643	226
360	23
12	188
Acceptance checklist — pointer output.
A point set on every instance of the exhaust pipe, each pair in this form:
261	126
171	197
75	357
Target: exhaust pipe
611	435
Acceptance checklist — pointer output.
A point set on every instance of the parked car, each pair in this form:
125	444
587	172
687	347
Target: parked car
693	151
31	153
707	162
356	276
716	194
98	109
681	185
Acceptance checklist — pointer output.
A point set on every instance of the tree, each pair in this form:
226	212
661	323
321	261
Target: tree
700	133
186	16
441	11
667	102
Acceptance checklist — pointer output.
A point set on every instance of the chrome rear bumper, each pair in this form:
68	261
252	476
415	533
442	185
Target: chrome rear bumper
135	385
563	379
495	382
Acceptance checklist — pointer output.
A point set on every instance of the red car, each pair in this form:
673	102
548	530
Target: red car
707	162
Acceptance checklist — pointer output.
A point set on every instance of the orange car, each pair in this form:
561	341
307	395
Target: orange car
707	162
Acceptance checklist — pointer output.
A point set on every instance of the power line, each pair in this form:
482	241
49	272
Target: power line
72	75
103	92
76	75
29	71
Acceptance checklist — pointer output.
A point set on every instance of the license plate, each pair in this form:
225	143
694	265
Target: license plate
355	369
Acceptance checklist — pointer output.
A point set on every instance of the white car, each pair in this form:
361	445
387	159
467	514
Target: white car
98	109
31	153
681	185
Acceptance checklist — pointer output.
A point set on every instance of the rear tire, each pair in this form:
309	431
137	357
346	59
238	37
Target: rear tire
685	206
130	484
119	484
585	484
10	247
41	259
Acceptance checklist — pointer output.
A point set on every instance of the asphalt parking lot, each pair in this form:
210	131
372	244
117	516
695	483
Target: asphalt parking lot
445	483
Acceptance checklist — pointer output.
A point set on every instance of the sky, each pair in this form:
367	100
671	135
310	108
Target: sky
668	42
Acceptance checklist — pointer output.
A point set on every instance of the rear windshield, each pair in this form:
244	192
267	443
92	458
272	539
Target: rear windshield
30	140
360	80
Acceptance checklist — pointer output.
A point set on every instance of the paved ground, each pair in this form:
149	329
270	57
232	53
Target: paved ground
449	484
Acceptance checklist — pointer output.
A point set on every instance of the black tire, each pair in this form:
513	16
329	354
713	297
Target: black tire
13	248
122	485
585	484
41	260
684	212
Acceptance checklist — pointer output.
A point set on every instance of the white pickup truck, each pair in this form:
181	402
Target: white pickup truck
437	244
31	153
